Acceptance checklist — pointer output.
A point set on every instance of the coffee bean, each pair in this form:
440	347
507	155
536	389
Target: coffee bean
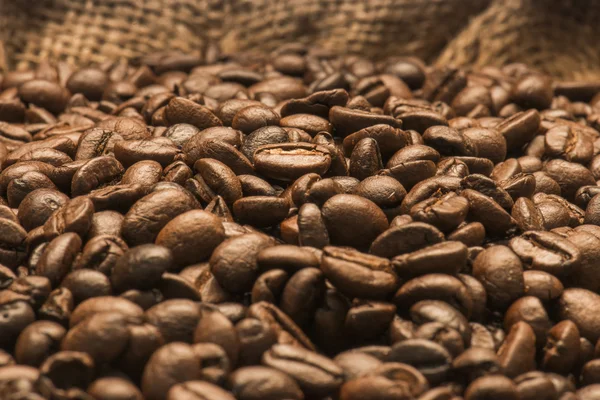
114	388
191	236
232	272
358	274
289	161
501	273
542	285
138	228
517	353
435	287
429	358
547	252
315	374
492	387
446	258
248	383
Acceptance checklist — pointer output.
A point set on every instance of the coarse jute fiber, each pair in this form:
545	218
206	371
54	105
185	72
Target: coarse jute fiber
557	36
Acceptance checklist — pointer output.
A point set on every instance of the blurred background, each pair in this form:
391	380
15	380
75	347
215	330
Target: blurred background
556	36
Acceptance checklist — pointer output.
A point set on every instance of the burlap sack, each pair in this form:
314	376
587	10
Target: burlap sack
557	36
560	37
92	31
84	31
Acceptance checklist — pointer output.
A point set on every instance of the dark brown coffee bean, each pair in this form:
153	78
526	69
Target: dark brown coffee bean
37	206
471	234
343	212
232	272
357	274
263	383
196	390
75	216
45	94
180	110
578	306
218	179
445	212
542	285
429	358
517	353
311	227
316	374
475	363
529	309
58	256
533	91
261	211
191	236
388	138
98	305
141	267
102	335
526	215
85	284
435	287
446	257
171	364
547	252
253	117
449	141
138	228
501	273
492	387
286	330
347	121
289	161
488	187
114	388
562	347
365	160
484	209
175	319
569	176
520	128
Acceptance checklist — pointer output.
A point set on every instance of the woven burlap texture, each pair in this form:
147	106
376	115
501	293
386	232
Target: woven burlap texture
84	31
557	36
92	31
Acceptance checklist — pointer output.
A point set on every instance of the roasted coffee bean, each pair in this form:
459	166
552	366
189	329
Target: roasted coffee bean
429	358
542	285
492	387
343	212
446	258
359	228
435	287
114	388
289	161
232	272
501	273
371	277
263	383
139	228
315	374
547	251
445	213
517	353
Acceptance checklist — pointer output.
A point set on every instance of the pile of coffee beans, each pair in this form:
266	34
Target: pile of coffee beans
303	226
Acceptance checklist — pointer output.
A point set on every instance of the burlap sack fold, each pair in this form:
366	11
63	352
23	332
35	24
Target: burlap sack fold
374	28
84	31
557	36
92	31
